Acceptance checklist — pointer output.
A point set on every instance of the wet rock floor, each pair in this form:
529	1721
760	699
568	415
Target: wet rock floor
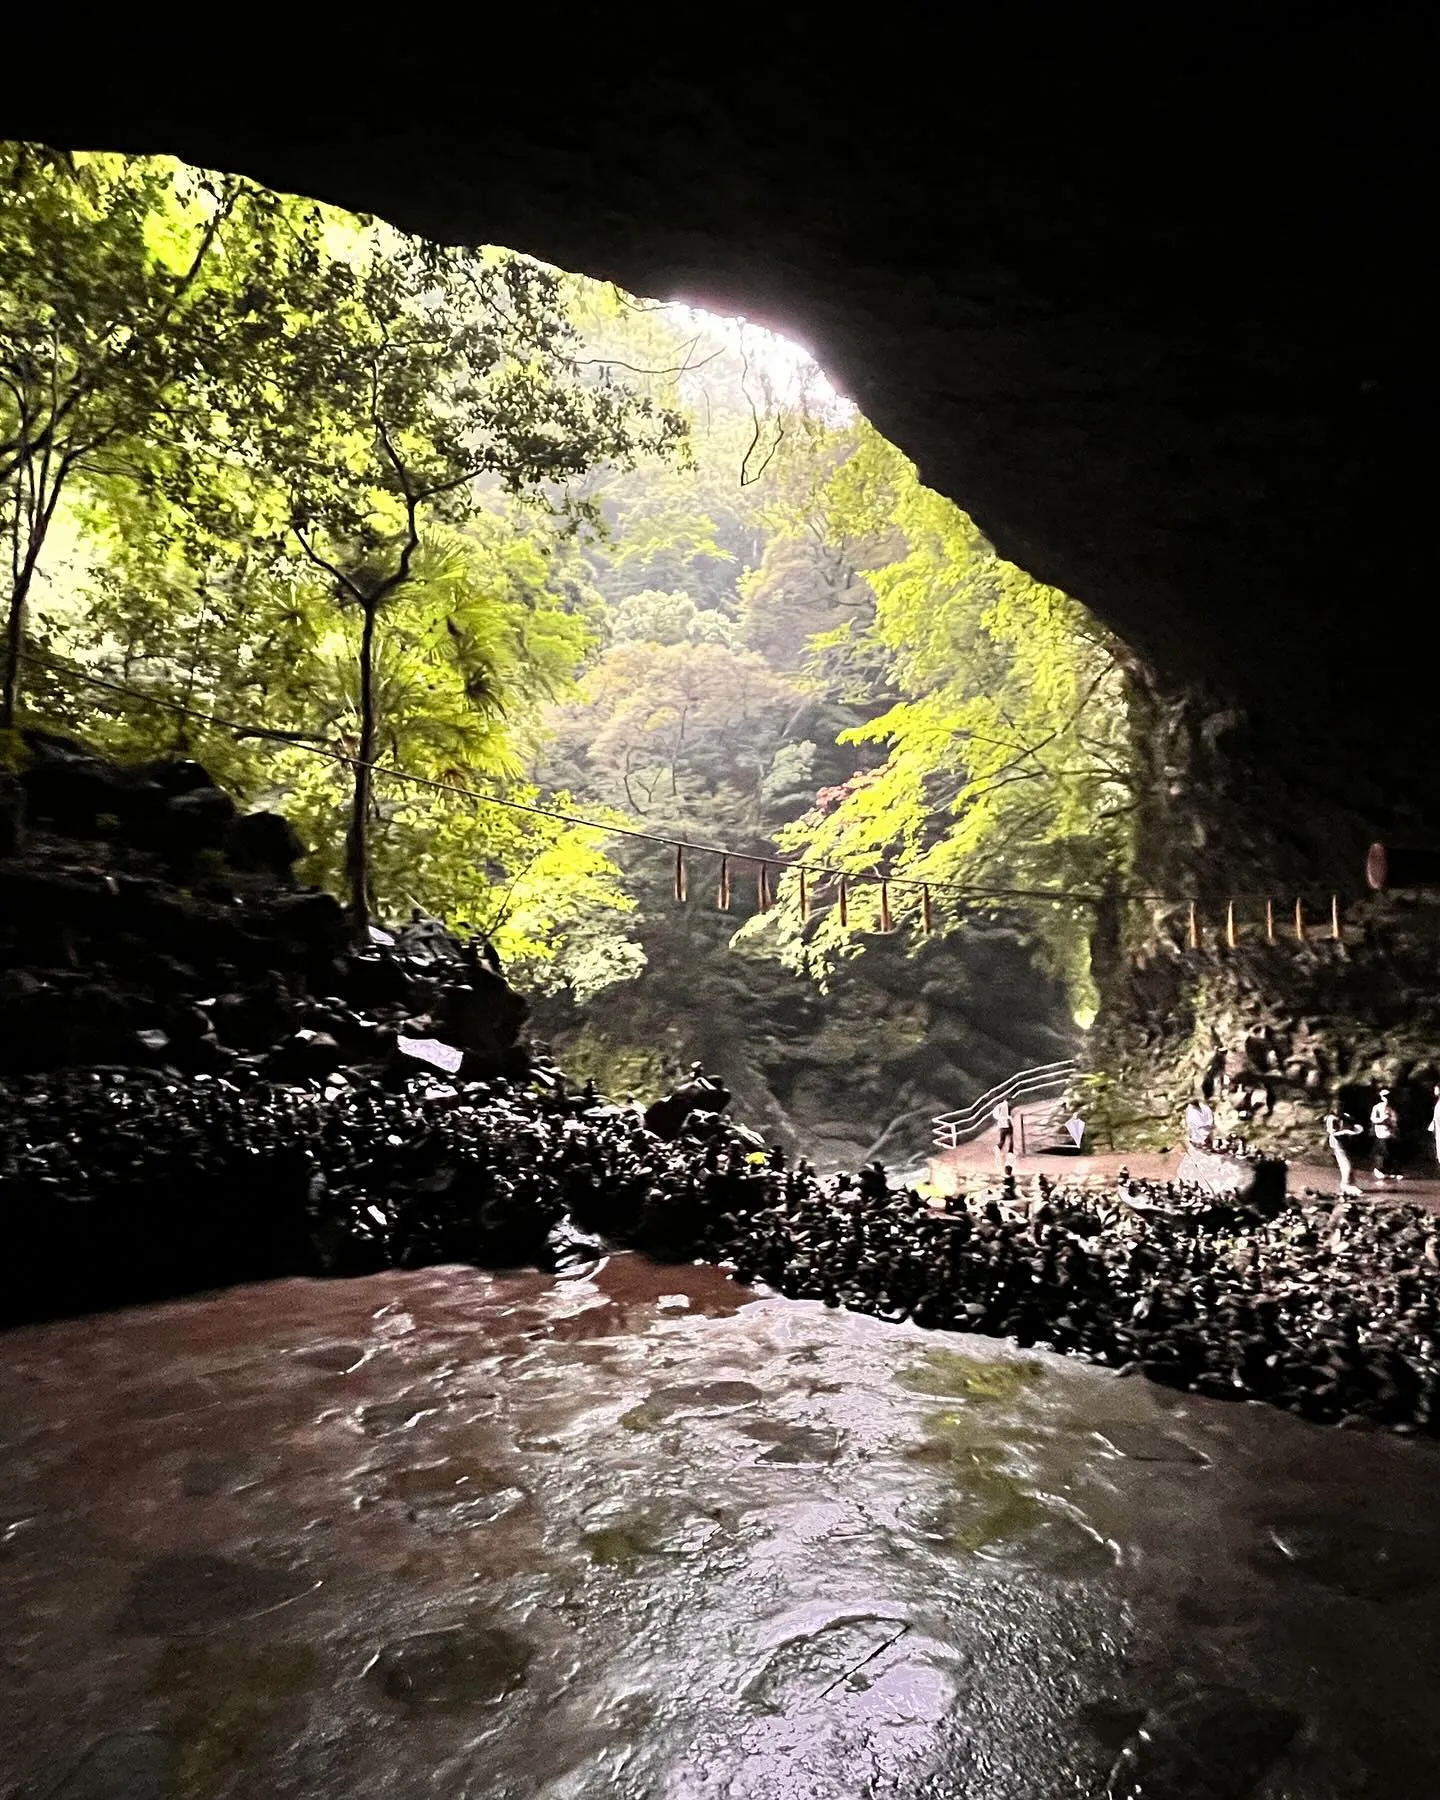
643	1534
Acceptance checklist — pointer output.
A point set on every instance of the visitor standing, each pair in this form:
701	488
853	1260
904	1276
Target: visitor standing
1004	1133
1199	1124
1339	1128
1385	1127
1435	1123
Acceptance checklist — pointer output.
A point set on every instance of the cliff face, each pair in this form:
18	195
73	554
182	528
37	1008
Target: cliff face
838	1077
1256	814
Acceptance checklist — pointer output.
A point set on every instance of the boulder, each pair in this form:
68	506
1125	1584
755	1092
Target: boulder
304	1056
483	1017
309	922
378	979
12	816
263	843
70	792
174	776
196	820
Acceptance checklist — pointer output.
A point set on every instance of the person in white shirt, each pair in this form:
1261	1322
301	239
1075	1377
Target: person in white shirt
1005	1132
1435	1122
1385	1127
1339	1129
1199	1124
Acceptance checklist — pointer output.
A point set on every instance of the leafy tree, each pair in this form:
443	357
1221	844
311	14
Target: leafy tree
443	366
651	617
1007	762
133	293
658	726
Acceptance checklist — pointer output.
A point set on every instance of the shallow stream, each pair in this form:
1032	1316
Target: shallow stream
641	1535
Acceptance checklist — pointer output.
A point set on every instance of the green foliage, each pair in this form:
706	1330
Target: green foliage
655	726
1007	755
137	296
618	1070
652	617
452	512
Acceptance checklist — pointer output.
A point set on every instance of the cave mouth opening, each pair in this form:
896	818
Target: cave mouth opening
690	591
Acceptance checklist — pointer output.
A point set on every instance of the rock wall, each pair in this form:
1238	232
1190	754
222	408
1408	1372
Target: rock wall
904	1032
1230	812
145	922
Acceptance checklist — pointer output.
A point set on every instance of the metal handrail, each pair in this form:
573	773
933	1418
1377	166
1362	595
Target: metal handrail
950	1130
1064	1066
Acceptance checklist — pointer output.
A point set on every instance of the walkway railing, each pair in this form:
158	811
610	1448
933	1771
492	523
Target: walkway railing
952	1129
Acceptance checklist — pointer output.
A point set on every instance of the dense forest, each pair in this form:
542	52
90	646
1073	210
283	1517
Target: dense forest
321	505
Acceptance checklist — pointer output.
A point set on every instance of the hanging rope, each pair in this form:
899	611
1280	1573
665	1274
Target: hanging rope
765	887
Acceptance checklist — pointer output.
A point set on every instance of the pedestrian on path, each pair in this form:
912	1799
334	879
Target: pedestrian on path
1435	1123
1004	1135
1385	1126
1339	1129
1199	1124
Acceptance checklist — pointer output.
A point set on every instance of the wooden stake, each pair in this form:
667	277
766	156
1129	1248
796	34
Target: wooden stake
722	893
804	899
885	921
1194	928
844	903
1300	921
925	918
680	873
1269	921
1335	917
762	888
1230	924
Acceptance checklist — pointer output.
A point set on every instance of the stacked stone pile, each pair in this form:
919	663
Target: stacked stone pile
144	922
125	1186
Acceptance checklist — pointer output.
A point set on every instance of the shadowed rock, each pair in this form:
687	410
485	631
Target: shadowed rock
452	1669
177	1595
1213	1745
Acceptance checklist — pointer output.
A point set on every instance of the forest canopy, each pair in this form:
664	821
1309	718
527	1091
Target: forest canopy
299	488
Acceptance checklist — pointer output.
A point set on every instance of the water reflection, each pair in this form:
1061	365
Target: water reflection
641	1534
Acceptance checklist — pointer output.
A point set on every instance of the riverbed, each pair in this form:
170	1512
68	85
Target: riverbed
640	1533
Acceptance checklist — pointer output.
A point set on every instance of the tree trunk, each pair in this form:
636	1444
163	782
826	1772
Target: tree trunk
15	642
357	842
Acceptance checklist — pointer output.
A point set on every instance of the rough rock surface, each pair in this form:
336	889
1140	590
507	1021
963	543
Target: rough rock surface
143	922
904	1032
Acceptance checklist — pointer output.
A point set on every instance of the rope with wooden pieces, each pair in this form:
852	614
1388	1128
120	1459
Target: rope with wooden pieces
808	875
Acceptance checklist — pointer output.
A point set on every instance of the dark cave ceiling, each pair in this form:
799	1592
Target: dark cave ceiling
1151	304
